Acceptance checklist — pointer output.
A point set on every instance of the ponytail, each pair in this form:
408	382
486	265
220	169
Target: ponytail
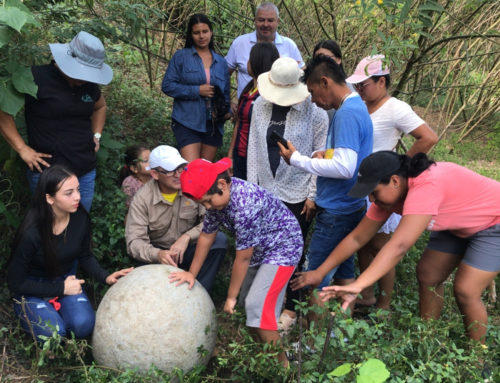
418	163
131	156
411	167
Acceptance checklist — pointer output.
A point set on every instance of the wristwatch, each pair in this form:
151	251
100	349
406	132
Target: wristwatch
97	136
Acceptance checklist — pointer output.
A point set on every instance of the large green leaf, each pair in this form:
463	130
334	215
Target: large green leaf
11	101
341	370
13	17
373	369
23	81
19	5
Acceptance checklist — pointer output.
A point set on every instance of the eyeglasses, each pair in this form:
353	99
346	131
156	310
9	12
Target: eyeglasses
361	85
170	173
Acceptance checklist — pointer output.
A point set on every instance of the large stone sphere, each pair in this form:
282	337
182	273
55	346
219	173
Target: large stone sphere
144	319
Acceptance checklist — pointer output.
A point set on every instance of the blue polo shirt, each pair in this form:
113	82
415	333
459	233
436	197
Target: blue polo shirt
351	127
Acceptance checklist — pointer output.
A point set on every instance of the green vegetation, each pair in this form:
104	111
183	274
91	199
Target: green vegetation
445	60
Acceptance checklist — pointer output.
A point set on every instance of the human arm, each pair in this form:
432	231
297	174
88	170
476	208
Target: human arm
29	249
355	240
239	271
31	157
90	264
195	231
408	231
112	278
98	119
319	129
205	241
425	139
139	244
341	166
180	246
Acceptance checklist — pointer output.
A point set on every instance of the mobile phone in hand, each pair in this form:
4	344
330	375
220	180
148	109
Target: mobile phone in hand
276	137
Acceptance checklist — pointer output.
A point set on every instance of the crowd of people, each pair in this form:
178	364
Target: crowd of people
308	143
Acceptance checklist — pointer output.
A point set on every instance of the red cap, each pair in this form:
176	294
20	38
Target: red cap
199	176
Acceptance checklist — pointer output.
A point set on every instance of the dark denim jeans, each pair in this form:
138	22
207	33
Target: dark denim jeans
329	231
38	315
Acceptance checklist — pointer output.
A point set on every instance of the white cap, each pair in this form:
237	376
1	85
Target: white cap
166	157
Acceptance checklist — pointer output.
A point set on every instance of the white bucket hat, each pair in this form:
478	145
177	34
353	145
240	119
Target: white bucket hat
282	85
166	157
83	59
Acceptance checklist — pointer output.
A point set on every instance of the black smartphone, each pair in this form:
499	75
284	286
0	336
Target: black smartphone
276	137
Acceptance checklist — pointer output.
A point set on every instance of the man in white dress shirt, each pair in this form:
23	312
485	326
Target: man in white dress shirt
266	24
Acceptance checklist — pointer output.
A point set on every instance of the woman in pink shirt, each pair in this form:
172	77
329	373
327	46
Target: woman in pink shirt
460	207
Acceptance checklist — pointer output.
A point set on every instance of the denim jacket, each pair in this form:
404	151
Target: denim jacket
184	75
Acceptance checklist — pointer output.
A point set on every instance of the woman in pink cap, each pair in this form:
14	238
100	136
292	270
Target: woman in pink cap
391	119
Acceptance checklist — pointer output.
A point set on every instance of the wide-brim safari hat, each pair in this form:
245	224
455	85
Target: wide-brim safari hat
83	59
282	85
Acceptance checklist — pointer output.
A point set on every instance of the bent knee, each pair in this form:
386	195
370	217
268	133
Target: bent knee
83	325
427	276
464	293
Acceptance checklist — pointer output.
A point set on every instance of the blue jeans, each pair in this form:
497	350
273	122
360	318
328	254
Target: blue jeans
38	315
329	230
87	185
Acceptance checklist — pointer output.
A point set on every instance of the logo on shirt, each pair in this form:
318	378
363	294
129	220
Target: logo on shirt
431	224
87	98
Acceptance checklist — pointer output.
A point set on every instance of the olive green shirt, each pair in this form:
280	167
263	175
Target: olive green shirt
154	224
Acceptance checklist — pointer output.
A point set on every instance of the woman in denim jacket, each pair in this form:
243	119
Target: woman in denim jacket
198	80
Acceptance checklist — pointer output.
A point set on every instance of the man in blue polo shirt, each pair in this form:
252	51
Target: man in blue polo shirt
349	141
266	24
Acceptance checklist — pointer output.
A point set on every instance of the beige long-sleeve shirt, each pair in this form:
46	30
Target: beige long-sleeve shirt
154	223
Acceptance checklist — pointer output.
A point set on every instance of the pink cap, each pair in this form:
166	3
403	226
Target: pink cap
368	67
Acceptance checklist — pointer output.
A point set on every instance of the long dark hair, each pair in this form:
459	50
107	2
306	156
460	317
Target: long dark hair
132	154
333	47
262	57
41	216
411	167
198	18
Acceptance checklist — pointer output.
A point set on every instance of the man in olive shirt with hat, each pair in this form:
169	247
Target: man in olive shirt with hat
163	225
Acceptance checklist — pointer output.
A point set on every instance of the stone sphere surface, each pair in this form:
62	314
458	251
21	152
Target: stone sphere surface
144	319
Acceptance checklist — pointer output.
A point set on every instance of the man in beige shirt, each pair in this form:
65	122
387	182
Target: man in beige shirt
163	225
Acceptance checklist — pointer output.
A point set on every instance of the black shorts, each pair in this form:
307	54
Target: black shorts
185	136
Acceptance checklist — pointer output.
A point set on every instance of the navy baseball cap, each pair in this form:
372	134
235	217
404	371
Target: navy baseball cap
373	168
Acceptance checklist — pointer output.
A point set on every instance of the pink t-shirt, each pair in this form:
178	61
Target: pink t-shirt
458	199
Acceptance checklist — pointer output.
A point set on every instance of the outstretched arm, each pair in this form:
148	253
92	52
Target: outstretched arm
205	241
409	230
360	236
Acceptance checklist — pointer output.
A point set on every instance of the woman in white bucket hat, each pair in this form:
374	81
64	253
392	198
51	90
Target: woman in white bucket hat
66	119
285	107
